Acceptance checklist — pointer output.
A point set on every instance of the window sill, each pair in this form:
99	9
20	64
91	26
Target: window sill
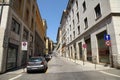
98	17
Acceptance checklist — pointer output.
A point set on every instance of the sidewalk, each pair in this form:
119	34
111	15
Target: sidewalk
17	71
88	66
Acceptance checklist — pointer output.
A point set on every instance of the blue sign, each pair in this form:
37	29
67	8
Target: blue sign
106	37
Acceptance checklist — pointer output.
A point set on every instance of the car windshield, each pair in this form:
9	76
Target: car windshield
35	59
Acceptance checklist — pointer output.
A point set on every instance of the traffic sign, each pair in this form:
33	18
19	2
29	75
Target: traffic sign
84	45
24	46
106	37
24	43
108	43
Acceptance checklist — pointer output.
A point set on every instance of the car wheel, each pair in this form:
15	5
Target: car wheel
28	71
45	69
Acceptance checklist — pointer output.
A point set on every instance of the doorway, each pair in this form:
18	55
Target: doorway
12	56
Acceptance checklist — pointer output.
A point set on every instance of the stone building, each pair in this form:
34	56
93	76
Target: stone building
40	35
17	25
59	42
49	46
87	24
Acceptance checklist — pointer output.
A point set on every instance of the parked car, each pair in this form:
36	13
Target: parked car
37	64
48	57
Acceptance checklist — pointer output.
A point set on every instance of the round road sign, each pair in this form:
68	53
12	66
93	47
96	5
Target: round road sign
24	43
84	45
108	43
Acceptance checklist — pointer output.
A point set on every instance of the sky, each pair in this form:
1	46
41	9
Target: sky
52	10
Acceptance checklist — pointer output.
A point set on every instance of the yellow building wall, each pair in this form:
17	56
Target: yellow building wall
27	12
40	26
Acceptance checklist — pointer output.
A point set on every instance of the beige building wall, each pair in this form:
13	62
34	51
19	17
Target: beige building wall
59	42
49	46
22	14
2	31
47	43
92	32
40	33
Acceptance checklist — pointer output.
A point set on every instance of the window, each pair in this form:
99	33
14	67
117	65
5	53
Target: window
27	15
16	4
25	34
73	12
86	23
78	16
73	24
70	27
69	17
84	6
68	39
72	1
74	34
15	26
31	41
78	29
71	37
77	4
32	23
19	3
31	38
98	11
68	31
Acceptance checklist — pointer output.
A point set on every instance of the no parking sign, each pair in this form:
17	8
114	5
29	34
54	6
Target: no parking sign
24	46
84	45
108	43
107	40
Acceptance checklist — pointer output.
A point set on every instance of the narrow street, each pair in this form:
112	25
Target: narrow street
83	37
62	69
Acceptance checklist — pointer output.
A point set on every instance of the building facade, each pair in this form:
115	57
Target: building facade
17	25
58	49
49	46
40	35
63	26
87	24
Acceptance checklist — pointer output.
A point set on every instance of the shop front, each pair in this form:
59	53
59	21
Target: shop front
12	56
103	49
89	52
80	51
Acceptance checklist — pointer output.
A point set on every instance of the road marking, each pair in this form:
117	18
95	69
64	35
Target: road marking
15	77
109	74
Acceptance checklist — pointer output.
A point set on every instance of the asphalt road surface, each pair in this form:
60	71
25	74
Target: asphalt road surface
62	69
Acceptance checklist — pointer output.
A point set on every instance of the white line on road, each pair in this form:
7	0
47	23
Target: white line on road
16	77
109	74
